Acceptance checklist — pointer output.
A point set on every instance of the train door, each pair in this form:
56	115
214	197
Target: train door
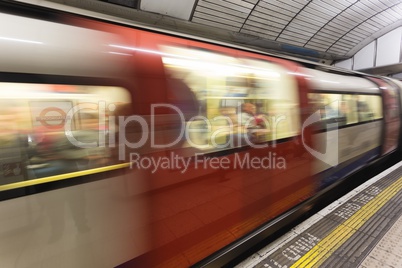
391	117
398	85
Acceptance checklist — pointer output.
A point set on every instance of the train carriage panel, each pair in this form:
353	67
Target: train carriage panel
223	186
349	124
390	98
398	85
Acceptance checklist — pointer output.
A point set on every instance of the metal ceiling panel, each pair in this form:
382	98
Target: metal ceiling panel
218	11
324	8
318	43
299	37
340	5
310	20
362	8
336	51
379	5
299	29
351	38
296	3
263	22
385	17
326	36
363	28
353	15
270	7
264	25
318	20
343	43
378	21
216	22
340	27
389	3
319	12
332	30
285	5
300	23
372	25
240	6
290	41
348	20
251	1
329	6
238	18
317	47
270	15
356	34
321	42
392	13
261	34
241	3
324	39
397	8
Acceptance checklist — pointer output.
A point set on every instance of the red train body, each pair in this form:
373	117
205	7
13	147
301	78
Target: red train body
174	175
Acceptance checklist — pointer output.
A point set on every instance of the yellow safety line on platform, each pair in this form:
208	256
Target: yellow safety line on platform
320	252
21	184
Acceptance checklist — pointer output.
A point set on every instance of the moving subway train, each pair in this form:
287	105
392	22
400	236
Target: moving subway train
127	146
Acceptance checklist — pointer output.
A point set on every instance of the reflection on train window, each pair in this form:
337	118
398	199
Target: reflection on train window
368	107
48	130
346	109
241	100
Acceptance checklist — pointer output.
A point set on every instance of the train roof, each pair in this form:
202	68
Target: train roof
324	81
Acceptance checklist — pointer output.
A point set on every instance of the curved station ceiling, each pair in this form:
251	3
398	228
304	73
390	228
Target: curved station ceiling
338	27
313	29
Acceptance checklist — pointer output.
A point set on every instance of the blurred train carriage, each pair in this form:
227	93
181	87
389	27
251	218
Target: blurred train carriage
167	149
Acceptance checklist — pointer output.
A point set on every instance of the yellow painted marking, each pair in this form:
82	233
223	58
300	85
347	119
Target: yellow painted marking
320	252
61	177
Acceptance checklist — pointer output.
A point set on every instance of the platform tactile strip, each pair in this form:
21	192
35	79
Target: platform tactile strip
345	236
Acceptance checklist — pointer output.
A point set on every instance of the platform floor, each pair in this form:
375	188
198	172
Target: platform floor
362	229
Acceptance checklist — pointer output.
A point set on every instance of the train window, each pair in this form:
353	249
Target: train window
346	109
241	101
368	107
332	108
48	130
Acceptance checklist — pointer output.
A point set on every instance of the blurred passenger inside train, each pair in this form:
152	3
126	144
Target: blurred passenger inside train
249	118
13	141
363	110
91	137
343	113
327	110
46	154
8	127
252	125
54	152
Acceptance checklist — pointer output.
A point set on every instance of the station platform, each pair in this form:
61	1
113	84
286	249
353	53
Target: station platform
362	229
